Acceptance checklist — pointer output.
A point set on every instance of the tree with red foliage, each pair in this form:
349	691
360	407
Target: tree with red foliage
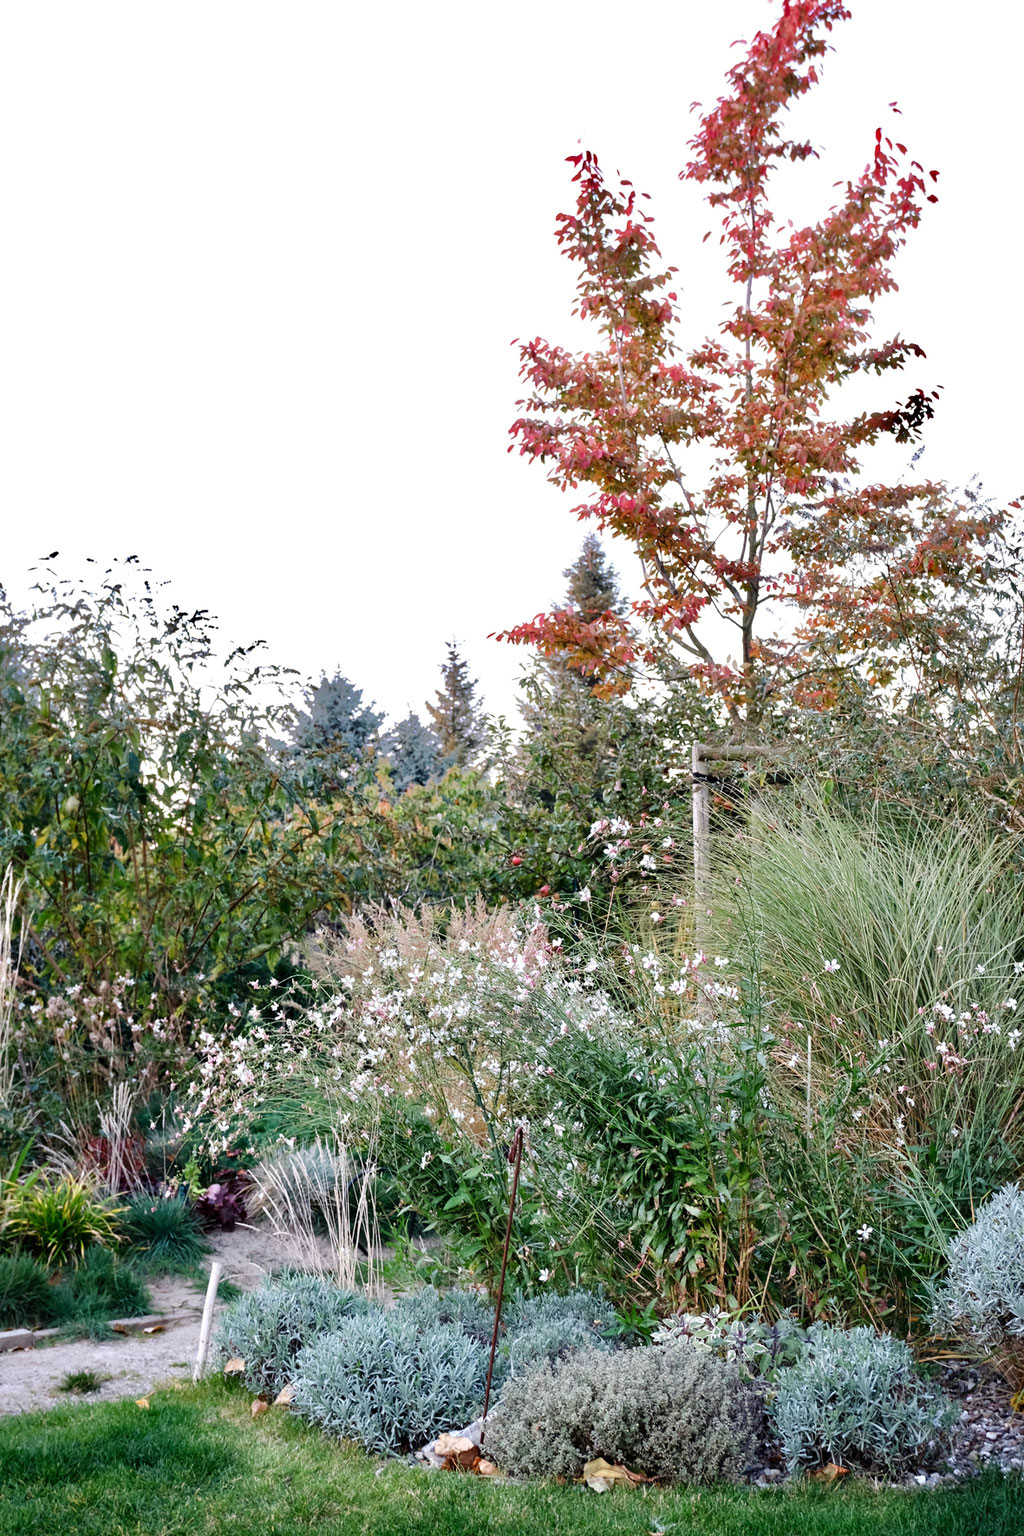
808	564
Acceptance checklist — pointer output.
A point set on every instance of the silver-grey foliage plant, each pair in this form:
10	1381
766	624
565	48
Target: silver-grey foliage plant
759	1349
388	1384
982	1296
855	1399
552	1339
267	1327
667	1411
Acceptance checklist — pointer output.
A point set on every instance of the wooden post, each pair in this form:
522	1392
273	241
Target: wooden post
206	1326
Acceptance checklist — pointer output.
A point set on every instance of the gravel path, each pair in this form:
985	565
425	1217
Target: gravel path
133	1366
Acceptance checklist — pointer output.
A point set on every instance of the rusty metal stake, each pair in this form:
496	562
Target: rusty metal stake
515	1157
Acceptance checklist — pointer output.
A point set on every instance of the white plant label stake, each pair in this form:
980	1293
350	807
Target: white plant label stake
206	1326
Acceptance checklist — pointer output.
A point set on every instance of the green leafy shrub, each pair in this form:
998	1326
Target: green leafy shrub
102	1287
165	1232
268	1327
667	1412
982	1295
855	1399
26	1296
381	1380
60	1219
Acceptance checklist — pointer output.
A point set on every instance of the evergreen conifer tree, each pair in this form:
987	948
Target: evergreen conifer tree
593	586
335	730
455	713
592	590
413	751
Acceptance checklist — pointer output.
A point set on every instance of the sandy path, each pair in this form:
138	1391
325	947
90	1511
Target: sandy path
29	1378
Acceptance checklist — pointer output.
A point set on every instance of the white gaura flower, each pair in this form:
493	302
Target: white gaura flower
831	965
864	1233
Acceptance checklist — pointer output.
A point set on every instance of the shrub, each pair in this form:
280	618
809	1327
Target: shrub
60	1219
267	1327
390	1385
855	1399
759	1349
164	1231
555	1339
26	1296
668	1412
588	1307
468	1311
982	1296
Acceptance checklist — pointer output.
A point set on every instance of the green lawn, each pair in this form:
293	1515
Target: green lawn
194	1462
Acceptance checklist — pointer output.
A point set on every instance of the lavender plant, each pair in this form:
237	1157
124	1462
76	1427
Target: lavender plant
855	1399
981	1297
382	1381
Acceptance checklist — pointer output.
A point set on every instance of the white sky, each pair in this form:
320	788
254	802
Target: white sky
262	265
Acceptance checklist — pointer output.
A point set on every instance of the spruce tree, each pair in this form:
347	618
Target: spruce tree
455	713
593	587
413	752
335	731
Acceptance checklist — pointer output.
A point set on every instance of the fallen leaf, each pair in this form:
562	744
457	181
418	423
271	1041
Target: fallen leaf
613	1473
142	1402
830	1474
456	1450
260	1406
234	1367
156	1328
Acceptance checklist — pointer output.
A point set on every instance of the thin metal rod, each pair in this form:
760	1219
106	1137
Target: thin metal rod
515	1157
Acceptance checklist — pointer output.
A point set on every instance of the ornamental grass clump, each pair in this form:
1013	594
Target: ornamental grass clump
856	1400
60	1219
268	1327
382	1381
26	1295
164	1231
982	1296
665	1411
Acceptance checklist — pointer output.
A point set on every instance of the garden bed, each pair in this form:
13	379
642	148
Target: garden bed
195	1461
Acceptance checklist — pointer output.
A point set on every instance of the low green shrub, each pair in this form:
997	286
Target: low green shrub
59	1219
589	1307
856	1399
166	1232
26	1295
982	1295
665	1411
383	1381
268	1327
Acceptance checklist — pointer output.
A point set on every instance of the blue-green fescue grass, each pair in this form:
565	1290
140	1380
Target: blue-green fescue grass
195	1464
